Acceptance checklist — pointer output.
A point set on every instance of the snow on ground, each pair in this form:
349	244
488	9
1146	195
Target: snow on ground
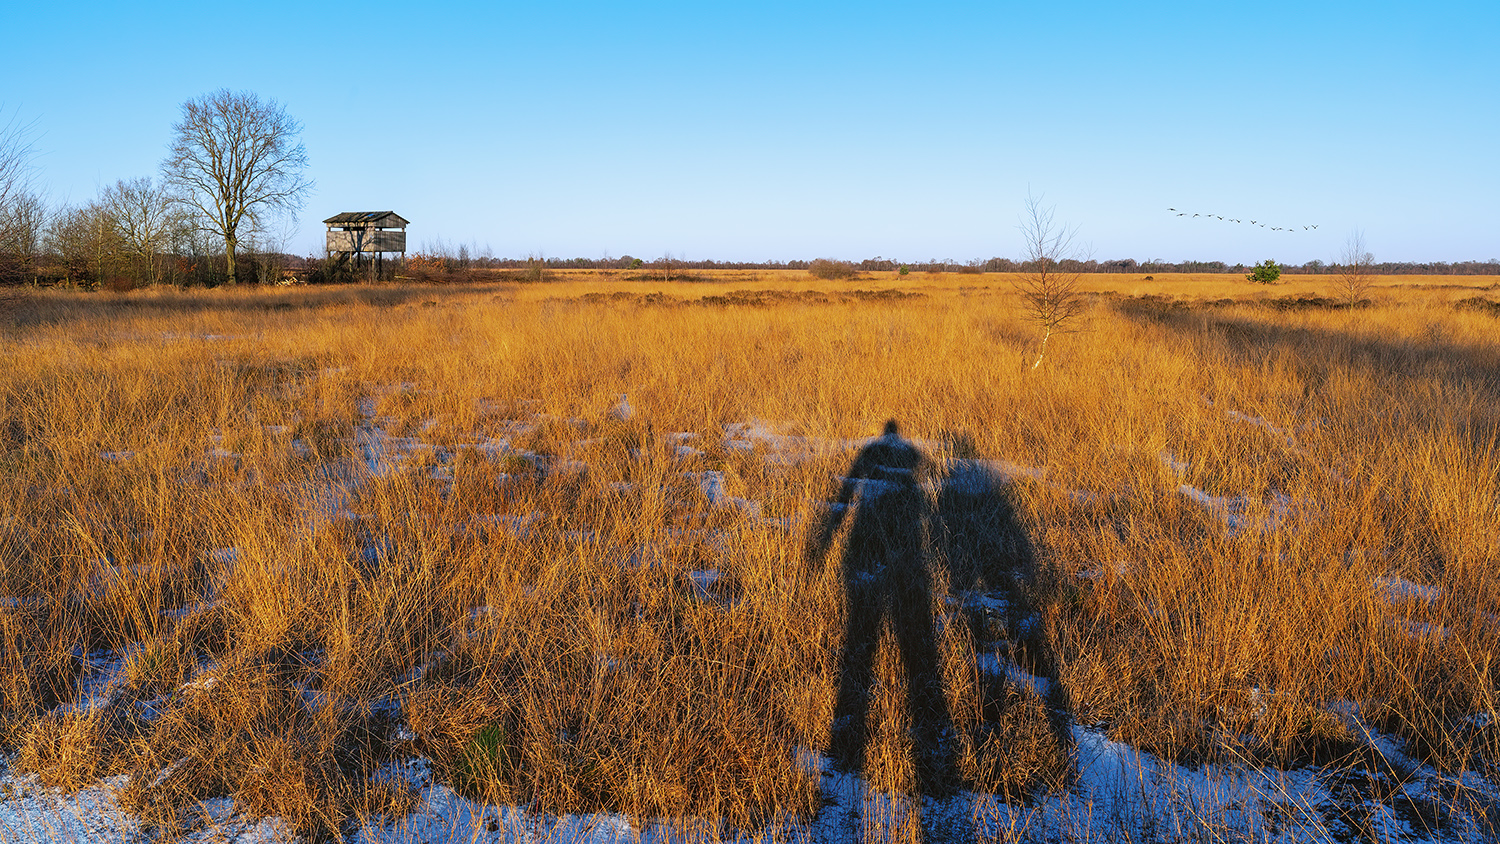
1119	793
1239	513
31	813
1400	590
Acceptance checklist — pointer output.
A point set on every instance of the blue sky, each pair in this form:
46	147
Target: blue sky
780	130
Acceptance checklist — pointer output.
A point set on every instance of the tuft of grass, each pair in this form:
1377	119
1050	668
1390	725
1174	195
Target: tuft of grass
66	750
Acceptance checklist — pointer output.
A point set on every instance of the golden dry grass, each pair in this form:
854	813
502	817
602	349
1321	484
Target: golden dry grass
570	664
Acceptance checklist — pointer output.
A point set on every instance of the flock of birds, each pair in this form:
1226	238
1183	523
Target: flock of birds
1252	222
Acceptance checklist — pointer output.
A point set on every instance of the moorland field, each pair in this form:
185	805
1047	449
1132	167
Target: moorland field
609	543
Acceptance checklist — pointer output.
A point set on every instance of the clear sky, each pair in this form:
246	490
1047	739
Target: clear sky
780	130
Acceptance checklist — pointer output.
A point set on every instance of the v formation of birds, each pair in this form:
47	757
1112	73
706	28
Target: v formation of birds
1242	222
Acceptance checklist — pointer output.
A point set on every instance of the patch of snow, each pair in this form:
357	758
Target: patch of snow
14	602
1259	422
986	602
1398	590
703	583
711	484
990	663
568	467
1178	466
1420	630
202	682
518	526
1237	512
445	815
383	454
32	813
785	449
867	488
622	411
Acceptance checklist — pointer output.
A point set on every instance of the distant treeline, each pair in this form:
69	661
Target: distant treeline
82	247
993	265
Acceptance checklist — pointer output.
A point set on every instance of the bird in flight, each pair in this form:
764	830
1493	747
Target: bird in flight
1222	218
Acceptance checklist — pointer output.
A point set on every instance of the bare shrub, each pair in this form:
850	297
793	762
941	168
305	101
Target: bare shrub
1355	270
830	270
1051	294
535	271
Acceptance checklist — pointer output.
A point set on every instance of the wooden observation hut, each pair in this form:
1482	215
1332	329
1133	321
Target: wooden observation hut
354	233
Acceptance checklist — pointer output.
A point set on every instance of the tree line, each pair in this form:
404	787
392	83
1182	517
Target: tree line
219	211
473	258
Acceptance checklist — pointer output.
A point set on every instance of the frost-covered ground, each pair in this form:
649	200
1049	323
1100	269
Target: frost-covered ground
1116	794
1119	795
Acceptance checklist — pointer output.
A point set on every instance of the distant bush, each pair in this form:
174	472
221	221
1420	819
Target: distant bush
535	270
827	269
1265	273
1480	304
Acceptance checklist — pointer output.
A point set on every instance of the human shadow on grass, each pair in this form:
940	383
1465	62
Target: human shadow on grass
910	529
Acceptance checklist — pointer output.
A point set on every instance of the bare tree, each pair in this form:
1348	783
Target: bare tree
236	159
23	219
1355	269
21	211
665	262
1050	293
15	159
84	239
145	216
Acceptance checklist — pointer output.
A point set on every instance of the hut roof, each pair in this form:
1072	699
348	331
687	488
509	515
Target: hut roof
385	219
